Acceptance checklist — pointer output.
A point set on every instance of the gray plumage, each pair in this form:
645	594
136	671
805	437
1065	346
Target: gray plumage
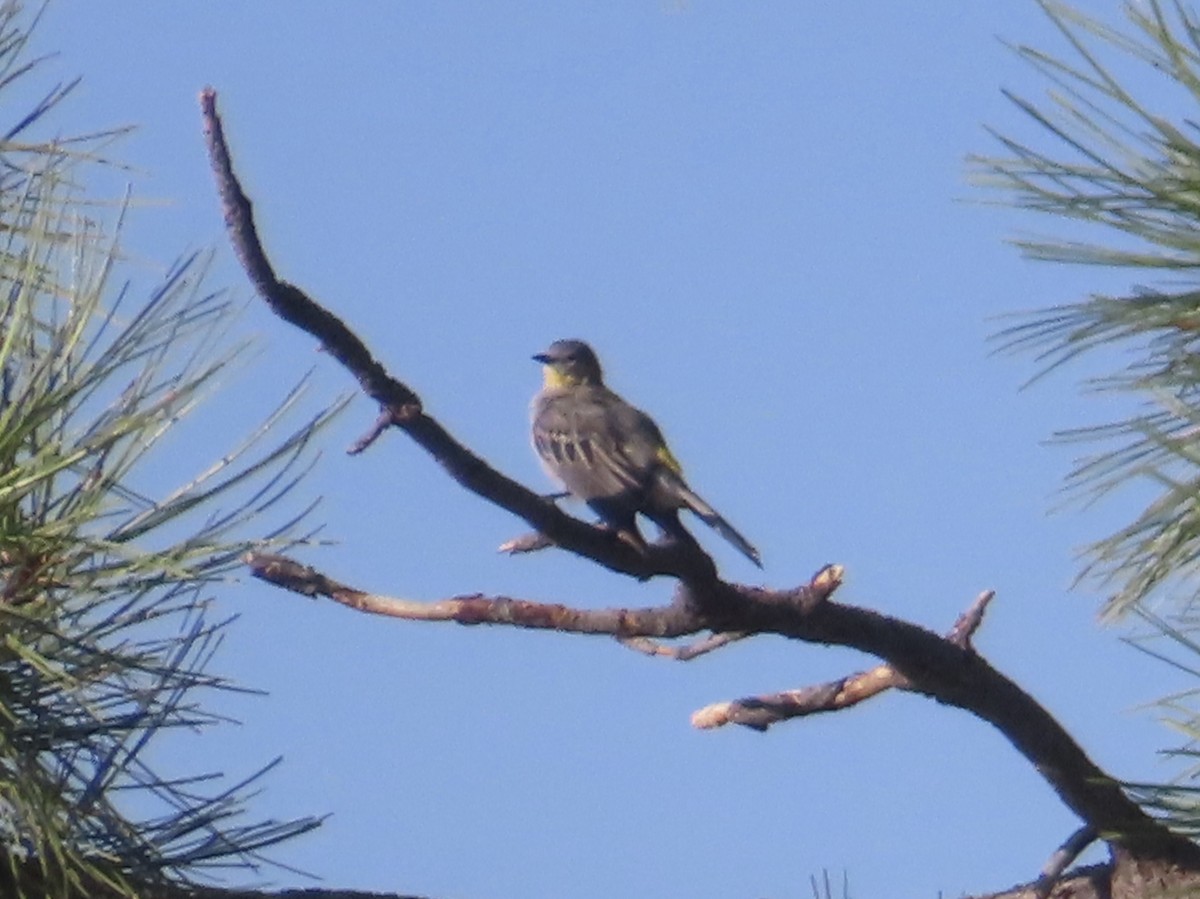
610	454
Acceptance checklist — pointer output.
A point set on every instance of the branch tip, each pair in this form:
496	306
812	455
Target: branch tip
970	620
1070	850
383	421
526	543
682	653
711	716
828	579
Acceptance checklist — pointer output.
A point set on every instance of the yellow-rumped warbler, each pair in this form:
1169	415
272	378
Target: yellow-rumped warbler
609	454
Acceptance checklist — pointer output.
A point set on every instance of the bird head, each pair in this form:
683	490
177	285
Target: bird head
569	363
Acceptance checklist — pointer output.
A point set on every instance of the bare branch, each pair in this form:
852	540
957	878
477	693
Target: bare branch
820	589
401	407
682	653
675	620
526	543
760	712
1053	870
917	660
968	622
381	424
946	669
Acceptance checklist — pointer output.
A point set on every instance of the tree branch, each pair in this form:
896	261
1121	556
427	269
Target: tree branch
917	660
401	407
1063	857
676	620
946	669
760	712
683	653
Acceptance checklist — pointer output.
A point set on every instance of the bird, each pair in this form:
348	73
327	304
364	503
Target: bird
610	454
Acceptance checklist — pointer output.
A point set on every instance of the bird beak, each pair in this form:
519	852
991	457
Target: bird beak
541	357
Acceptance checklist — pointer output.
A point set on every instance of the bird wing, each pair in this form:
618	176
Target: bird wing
594	442
602	448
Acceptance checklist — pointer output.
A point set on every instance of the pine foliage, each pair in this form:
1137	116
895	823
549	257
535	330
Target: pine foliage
106	627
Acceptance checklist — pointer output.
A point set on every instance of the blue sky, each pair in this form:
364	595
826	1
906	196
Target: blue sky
760	217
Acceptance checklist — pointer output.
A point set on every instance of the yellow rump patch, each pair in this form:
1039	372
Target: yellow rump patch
666	458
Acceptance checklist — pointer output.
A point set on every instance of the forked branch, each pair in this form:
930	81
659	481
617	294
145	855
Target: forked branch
760	712
915	659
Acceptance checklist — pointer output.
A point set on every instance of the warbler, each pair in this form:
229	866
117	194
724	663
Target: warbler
610	454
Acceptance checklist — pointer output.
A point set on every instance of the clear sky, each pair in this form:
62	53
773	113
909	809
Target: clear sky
759	215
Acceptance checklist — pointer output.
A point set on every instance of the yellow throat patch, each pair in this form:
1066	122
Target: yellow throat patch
555	379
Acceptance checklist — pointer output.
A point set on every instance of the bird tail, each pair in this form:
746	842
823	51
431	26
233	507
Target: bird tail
711	517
